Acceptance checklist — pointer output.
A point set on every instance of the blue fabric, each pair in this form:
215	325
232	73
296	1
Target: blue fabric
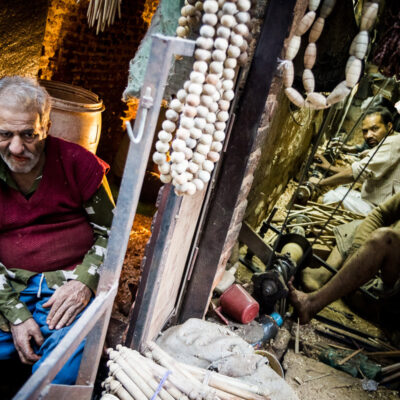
68	374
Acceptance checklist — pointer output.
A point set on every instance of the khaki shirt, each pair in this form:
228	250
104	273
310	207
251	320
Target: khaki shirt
382	175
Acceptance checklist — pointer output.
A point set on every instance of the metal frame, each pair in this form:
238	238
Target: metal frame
94	321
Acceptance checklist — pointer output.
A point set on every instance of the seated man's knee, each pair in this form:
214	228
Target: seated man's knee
385	237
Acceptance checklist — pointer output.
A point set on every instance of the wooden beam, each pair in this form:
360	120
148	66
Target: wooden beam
277	21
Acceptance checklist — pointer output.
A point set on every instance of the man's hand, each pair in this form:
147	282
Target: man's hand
66	303
22	335
322	161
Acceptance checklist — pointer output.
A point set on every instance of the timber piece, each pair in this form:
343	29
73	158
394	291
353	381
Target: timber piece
389	354
350	356
241	145
389	378
390	368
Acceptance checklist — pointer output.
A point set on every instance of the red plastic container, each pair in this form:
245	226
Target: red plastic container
239	304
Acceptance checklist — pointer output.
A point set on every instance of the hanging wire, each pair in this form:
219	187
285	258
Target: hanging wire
294	118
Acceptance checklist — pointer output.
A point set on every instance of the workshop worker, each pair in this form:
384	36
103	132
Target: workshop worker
55	212
381	176
373	260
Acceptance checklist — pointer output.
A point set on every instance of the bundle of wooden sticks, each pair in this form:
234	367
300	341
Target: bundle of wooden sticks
157	375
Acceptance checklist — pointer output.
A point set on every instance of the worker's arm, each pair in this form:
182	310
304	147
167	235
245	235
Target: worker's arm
384	215
325	164
342	177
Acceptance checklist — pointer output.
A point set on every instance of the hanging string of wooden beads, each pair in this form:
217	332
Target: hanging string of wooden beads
200	111
358	50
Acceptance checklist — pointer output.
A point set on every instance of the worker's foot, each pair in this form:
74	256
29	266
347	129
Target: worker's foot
302	304
314	278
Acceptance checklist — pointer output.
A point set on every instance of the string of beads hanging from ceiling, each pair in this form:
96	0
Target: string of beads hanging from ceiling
358	51
199	114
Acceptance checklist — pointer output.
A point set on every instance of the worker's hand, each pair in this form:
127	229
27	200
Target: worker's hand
66	303
22	335
322	161
363	153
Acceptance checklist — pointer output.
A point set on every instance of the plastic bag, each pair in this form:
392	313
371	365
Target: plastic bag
352	202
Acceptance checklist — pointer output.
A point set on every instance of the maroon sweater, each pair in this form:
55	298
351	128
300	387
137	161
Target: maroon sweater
50	230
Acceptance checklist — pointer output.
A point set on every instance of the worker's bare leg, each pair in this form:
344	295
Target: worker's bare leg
380	252
314	278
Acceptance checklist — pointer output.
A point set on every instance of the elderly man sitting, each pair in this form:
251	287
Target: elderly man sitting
374	260
55	212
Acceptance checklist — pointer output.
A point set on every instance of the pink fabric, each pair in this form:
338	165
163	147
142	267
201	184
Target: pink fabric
50	230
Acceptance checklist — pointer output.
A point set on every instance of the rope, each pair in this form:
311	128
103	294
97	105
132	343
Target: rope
160	385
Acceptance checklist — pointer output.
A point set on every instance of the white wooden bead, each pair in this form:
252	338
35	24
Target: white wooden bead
308	80
359	45
228	95
202	55
178	156
230	63
224	105
241	29
229	8
198	158
176	105
317	100
353	72
189	111
165	137
228	73
197	77
204	43
216	146
196	88
165	178
237	40
210	6
181	166
313	4
223	33
213	107
310	55
188	10
210	19
178	192
316	30
221	3
193	99
211	118
182	21
204	176
172	115
305	23
233	51
162	147
164	168
221	43
182	133
190	188
293	47
186	86
199	5
208	89
228	20
181	31
209	129
202	111
207	31
212	79
186	122
370	12
168	126
199	184
295	97
180	179
206	139
242	17
339	93
193	167
181	95
288	74
220	126
200	123
218	55
213	156
173	173
188	153
243	58
208	165
326	8
223	116
195	133
219	136
203	149
244	46
216	96
219	84
243	5
159	158
200	66
206	100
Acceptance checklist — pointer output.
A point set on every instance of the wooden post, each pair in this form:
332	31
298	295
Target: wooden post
277	21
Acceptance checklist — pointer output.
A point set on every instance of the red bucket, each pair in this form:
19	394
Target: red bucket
239	304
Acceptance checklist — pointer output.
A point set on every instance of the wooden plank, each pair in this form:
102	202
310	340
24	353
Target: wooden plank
67	392
251	106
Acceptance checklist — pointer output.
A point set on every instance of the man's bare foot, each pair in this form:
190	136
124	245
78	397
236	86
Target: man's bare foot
301	303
